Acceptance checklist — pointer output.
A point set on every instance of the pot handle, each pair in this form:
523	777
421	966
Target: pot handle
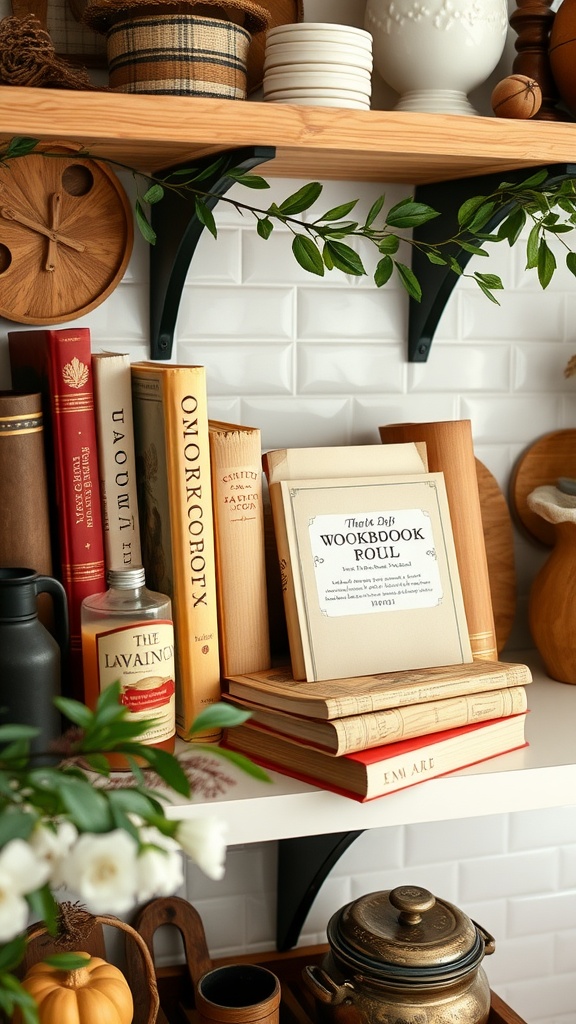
489	940
324	988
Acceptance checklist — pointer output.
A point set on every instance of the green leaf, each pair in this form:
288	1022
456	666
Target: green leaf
345	258
169	770
20	146
11	953
87	807
487	292
436	258
154	194
490	280
306	254
571	262
44	906
67	961
144	226
546	263
16	824
205	216
98	763
248	180
389	245
338	212
264	227
532	247
410	214
301	200
374	211
481	218
75	712
383	272
409	281
133	801
512	226
218	716
474	249
534	181
468	210
8	733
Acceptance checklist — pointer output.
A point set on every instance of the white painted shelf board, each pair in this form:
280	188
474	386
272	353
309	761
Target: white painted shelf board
540	775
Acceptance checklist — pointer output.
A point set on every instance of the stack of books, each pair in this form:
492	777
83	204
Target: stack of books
367	736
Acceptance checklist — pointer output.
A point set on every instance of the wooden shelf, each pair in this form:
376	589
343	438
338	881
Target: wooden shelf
538	776
152	132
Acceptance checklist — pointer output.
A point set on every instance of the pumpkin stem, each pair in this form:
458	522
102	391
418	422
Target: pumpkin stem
76	979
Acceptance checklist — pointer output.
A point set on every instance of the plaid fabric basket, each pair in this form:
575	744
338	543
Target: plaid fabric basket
178	53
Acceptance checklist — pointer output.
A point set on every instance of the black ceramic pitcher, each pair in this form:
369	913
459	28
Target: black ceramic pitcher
30	657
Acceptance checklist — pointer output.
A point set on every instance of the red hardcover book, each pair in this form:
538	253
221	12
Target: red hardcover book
58	364
367	774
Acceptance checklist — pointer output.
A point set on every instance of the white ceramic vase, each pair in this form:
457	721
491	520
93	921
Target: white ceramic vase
434	52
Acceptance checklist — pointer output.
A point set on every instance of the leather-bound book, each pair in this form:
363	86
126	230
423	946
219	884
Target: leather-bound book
24	509
58	363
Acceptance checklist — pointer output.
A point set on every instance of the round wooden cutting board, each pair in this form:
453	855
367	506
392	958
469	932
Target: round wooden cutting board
550	457
499	541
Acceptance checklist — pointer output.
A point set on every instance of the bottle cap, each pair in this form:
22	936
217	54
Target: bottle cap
126	579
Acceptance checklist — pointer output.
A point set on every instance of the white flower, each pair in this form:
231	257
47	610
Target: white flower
160	871
21	872
26	870
102	870
13	909
203	840
53	846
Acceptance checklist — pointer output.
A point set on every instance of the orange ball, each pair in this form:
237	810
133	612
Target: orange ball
516	96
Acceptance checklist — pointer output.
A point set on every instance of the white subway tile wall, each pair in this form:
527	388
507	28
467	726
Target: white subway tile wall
324	362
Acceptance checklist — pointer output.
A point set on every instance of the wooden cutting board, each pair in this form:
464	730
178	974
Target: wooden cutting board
499	541
553	455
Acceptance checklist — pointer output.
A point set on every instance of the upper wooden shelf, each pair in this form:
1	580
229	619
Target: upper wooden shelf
153	132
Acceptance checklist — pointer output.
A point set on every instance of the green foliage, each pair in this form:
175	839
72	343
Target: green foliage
547	205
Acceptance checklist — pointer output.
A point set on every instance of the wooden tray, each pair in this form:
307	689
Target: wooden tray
297	1006
176	983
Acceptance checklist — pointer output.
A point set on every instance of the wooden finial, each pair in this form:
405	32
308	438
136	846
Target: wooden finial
532	21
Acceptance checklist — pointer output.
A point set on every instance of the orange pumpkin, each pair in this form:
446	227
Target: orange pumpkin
97	992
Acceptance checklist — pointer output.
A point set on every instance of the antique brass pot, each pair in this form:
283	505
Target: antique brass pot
402	955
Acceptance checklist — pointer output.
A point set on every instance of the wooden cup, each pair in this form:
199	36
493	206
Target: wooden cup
238	994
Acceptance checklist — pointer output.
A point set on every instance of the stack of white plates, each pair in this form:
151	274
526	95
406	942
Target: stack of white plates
318	65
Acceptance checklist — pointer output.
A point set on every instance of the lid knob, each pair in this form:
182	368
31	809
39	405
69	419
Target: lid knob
412	902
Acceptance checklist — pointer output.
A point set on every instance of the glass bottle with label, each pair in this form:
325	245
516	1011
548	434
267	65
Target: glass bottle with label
128	637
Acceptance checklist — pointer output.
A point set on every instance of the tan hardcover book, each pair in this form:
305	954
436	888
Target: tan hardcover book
116	459
176	525
236	470
312	463
360	732
375	772
24	507
361	695
374	573
450	450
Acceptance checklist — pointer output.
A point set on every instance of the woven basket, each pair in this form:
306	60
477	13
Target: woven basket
178	53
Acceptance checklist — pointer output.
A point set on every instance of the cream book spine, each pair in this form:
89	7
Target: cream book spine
236	471
116	459
177	531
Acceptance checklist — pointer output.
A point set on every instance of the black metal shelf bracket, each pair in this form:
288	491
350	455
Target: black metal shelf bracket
303	865
437	282
178	231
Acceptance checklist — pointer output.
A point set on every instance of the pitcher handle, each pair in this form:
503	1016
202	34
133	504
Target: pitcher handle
48	585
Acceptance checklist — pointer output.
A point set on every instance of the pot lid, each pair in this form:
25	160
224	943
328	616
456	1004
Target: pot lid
405	932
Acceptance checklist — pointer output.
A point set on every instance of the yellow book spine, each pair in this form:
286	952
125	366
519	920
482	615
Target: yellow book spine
189	548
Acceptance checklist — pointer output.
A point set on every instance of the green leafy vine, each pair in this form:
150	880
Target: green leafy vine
319	244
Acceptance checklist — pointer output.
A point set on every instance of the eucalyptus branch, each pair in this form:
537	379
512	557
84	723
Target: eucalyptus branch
321	244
